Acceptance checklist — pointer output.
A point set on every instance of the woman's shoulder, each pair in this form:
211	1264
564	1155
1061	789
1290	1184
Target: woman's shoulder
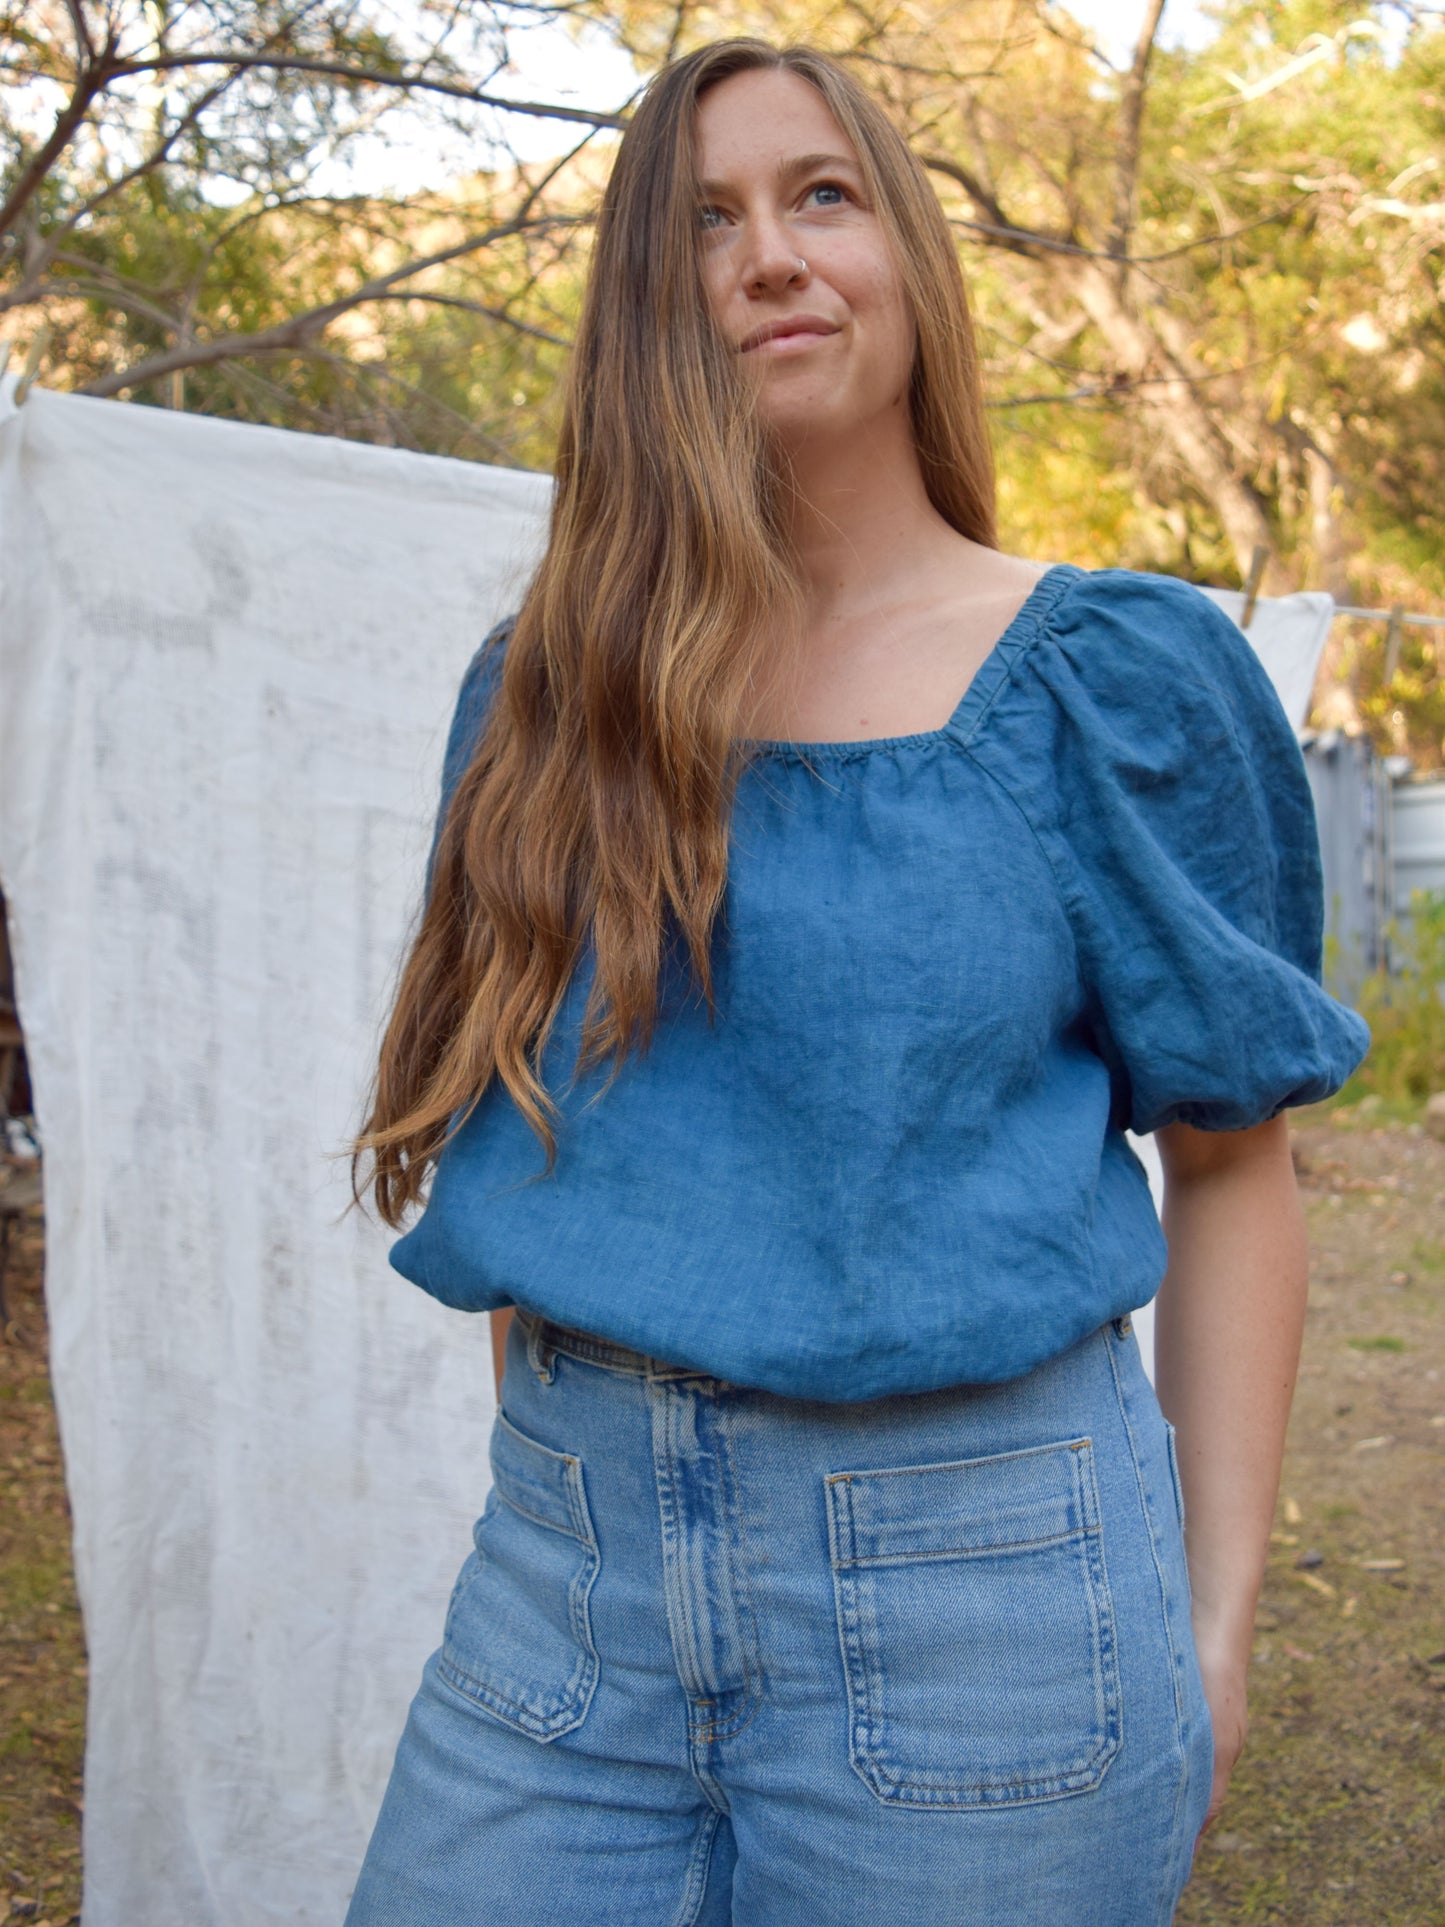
1135	684
1150	651
1143	612
479	683
485	666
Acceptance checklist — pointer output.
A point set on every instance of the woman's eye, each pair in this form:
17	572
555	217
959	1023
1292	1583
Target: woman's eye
710	217
830	188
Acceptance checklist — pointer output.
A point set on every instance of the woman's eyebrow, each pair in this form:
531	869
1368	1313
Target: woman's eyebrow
791	168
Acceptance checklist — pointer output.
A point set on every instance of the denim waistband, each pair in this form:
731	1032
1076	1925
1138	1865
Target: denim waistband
545	1339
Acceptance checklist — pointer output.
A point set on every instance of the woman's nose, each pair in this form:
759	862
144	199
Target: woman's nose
771	260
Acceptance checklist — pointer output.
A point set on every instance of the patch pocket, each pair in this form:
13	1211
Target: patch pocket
518	1638
976	1627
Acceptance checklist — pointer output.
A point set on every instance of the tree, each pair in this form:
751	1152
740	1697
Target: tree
174	204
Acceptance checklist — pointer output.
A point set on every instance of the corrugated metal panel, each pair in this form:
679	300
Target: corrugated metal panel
1352	796
1419	812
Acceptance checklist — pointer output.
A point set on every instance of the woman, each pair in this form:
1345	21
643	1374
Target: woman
825	892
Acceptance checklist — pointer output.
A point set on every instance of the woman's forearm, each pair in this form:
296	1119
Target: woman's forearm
1227	1337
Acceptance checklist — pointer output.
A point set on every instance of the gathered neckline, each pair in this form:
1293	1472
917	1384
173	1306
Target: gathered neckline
1022	631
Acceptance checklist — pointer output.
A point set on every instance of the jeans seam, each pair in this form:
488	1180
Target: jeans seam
695	1890
1182	1794
677	1598
741	1583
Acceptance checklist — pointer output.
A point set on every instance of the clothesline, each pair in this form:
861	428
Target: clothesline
1388	615
1395	617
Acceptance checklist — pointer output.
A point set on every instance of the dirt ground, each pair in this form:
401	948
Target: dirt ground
42	1645
1337	1814
1337	1810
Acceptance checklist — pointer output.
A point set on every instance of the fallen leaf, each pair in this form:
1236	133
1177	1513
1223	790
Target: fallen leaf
1347	1611
1316	1584
1292	1514
1294	1652
1369	1445
1382	1565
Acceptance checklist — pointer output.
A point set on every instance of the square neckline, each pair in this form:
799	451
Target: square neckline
1020	632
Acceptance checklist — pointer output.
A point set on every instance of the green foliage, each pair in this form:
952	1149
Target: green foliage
218	210
1405	1009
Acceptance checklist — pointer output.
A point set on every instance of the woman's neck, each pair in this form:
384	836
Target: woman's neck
863	524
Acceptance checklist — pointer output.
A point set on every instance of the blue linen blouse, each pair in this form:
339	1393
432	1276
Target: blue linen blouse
952	969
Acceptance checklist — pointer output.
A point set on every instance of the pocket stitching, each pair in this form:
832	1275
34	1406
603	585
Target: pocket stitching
954	1553
852	1609
574	1698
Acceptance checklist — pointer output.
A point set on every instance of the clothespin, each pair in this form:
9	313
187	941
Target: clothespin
1258	563
39	342
1394	636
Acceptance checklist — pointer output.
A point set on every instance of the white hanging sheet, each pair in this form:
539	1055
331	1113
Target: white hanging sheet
1288	633
228	657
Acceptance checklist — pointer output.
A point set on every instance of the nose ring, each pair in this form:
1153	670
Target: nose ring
802	267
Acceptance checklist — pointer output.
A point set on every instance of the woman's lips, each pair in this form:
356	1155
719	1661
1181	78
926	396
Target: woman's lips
792	342
785	337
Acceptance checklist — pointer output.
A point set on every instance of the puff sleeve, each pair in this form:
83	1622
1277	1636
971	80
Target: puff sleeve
1174	807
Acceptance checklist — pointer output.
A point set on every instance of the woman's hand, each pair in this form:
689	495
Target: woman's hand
1223	1672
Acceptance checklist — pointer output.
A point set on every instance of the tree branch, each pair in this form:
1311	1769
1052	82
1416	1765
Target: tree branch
91	281
300	330
85	46
1131	123
157	155
1051	244
90	81
370	76
481	308
1017	240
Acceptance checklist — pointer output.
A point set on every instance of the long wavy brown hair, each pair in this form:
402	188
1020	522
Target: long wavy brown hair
596	804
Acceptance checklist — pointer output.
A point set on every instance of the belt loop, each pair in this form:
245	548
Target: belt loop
539	1353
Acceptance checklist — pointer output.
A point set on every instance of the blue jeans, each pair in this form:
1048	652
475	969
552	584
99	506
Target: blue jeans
720	1656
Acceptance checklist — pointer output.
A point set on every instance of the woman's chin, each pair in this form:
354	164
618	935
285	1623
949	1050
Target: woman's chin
796	422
